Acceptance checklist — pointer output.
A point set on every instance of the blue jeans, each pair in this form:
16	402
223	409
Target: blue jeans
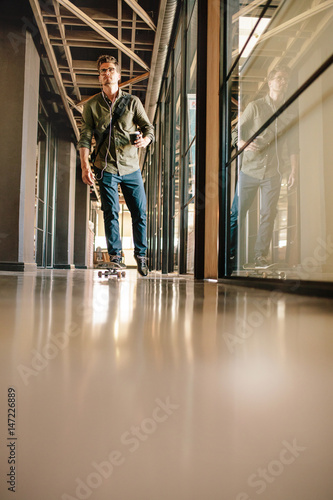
135	198
246	191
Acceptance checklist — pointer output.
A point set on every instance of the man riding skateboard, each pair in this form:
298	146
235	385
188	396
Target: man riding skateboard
111	117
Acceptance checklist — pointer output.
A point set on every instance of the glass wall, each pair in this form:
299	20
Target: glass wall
176	164
277	94
170	163
45	191
190	136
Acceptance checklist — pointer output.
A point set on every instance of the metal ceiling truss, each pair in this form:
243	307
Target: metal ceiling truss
74	35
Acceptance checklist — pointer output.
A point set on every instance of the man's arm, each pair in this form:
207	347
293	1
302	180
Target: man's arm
146	127
293	147
87	175
241	129
294	170
84	145
142	142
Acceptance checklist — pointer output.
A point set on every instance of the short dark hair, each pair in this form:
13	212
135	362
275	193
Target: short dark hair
108	59
278	69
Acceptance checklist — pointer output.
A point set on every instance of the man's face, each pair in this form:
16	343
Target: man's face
108	74
279	83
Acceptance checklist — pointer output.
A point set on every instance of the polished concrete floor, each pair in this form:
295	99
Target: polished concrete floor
163	389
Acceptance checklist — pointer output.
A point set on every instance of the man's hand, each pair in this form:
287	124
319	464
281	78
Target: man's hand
250	147
294	171
87	175
292	179
141	142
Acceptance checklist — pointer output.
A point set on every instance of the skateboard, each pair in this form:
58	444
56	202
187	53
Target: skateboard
113	270
272	270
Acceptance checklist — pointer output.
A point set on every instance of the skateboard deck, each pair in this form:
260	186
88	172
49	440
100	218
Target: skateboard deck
271	270
113	270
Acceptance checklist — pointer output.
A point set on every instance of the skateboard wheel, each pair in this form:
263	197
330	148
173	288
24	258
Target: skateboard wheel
264	275
123	274
283	275
100	274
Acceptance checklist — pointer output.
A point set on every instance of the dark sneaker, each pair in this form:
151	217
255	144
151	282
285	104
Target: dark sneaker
115	261
142	264
261	261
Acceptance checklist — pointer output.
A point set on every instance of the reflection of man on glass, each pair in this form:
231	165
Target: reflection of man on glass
262	162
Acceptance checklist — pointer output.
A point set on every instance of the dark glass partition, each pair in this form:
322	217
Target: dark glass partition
277	93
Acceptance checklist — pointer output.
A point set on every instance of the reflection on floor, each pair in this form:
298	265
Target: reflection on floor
160	389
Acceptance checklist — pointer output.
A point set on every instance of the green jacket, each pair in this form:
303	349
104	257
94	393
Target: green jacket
122	158
276	143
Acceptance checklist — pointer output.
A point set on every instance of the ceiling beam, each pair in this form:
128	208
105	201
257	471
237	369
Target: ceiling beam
93	45
295	20
53	62
244	11
132	81
133	37
66	49
120	35
75	106
96	15
141	13
105	34
74	21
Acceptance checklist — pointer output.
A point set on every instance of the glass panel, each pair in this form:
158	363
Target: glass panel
50	220
51	173
190	4
176	242
249	19
178	47
266	171
46	164
190	237
149	189
191	105
166	184
281	108
40	214
41	166
162	221
160	173
190	178
39	247
177	145
176	193
177	135
315	220
51	201
49	253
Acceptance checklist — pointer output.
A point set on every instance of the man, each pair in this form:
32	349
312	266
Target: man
262	162
117	159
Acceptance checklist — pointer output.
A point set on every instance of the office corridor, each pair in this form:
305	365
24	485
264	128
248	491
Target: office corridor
163	389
